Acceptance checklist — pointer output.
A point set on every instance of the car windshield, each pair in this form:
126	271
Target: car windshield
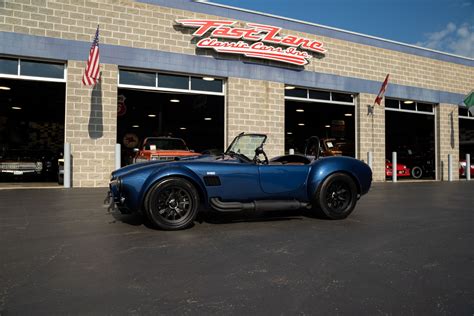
165	144
246	144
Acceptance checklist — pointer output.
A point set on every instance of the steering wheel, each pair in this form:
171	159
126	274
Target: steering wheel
259	151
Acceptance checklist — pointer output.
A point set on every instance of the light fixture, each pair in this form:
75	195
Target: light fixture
182	128
289	87
16	107
300	124
4	88
135	126
289	133
208	119
348	114
408	102
327	126
151	115
299	110
208	78
174	100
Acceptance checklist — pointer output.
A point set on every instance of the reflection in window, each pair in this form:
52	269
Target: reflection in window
319	95
425	107
342	97
393	104
206	85
9	66
41	69
138	78
297	93
173	81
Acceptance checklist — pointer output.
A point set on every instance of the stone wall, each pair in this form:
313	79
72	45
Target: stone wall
139	25
371	134
257	106
91	125
447	121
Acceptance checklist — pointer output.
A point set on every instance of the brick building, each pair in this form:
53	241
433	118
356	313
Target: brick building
146	55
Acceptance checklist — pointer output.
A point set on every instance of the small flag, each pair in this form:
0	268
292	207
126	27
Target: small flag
379	97
91	73
469	102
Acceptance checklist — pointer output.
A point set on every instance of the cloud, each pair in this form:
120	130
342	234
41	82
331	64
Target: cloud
452	39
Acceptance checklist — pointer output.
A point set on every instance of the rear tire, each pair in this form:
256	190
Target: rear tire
337	196
172	204
416	172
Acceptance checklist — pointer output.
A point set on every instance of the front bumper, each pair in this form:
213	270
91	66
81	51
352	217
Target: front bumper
114	199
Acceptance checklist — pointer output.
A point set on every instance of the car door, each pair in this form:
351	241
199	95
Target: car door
282	179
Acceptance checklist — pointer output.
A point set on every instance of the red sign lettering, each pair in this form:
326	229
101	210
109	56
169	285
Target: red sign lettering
260	34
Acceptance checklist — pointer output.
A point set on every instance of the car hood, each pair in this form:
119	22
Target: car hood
155	163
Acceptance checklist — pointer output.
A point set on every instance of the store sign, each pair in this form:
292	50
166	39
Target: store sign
255	40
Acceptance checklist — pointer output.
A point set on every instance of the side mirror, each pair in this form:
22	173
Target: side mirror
135	150
259	150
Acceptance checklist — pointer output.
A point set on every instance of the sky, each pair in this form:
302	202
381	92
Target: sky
443	25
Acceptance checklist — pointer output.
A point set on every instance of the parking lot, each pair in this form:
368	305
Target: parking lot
406	249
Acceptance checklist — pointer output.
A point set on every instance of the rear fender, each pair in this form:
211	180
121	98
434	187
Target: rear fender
323	168
174	171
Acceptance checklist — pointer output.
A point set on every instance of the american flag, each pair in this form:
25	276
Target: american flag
379	97
91	73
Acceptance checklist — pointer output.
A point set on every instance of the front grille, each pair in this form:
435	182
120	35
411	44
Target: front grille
20	166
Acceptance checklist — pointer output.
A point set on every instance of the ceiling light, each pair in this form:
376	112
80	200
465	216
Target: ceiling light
208	119
300	124
151	115
289	87
208	78
408	101
289	133
299	110
182	128
327	126
174	100
16	107
135	126
348	114
4	88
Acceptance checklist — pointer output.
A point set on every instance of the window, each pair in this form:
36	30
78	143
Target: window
409	106
319	95
137	78
297	93
294	93
8	66
41	69
167	82
32	68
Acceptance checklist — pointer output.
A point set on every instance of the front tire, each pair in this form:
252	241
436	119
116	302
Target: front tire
337	196
172	204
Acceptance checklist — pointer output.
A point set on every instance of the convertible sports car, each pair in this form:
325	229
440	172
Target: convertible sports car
170	193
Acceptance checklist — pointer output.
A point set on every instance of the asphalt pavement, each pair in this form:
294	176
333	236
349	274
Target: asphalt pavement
408	249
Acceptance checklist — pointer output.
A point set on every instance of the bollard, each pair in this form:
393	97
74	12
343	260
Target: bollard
468	167
118	163
67	165
369	159
450	167
394	166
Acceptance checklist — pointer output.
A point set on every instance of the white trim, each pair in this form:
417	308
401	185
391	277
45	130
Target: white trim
319	101
329	28
32	78
128	86
466	117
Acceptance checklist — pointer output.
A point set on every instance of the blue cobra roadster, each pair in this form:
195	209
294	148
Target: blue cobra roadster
170	193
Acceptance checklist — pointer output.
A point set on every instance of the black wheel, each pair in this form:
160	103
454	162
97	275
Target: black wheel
172	204
337	196
416	172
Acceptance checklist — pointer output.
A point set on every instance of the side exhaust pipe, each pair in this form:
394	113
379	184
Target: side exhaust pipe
263	205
